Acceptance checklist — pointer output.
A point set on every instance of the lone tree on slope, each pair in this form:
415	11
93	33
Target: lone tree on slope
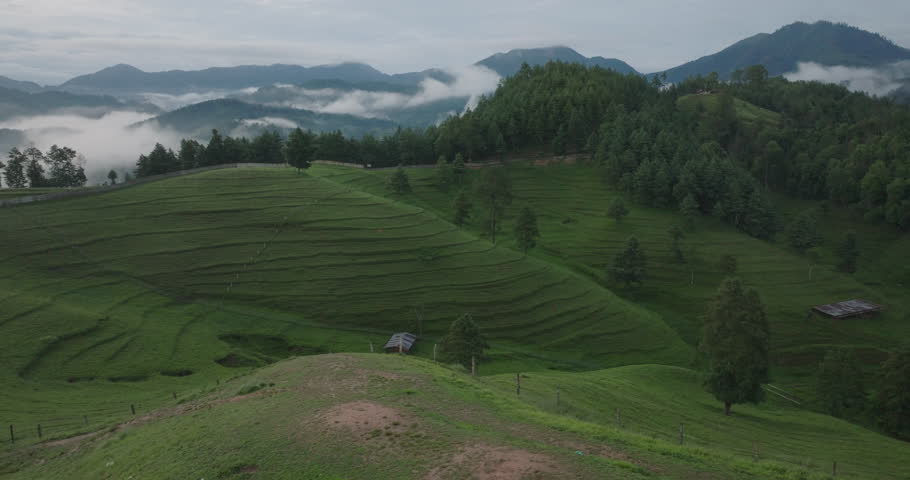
526	231
300	149
398	182
495	190
735	343
463	341
462	207
617	210
629	265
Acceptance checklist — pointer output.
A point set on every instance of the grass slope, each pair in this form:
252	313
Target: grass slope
571	205
654	400
362	416
131	296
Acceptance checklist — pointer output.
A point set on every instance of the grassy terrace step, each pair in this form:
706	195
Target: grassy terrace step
571	203
102	296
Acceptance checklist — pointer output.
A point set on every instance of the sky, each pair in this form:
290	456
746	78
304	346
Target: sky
50	41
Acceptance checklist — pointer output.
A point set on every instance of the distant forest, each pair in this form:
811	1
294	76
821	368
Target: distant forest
660	143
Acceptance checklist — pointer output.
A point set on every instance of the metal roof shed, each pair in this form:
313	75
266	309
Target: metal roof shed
850	308
400	342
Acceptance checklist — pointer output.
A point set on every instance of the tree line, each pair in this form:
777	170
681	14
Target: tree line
32	168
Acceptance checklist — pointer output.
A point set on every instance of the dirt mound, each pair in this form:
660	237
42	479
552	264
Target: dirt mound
484	462
362	417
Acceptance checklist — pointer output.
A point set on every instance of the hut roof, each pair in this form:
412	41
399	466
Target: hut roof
403	340
850	308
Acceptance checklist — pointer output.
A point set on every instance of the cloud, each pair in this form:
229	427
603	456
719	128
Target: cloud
169	102
874	81
106	143
269	121
469	83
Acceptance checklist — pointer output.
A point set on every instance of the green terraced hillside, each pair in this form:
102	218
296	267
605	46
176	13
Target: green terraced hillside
571	203
132	296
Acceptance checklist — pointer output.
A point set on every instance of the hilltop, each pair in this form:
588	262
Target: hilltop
508	63
387	416
824	43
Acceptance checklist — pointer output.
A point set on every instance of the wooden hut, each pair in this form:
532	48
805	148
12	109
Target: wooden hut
850	308
400	343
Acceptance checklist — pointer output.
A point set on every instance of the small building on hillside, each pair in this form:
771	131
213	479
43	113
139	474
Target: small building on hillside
400	343
850	308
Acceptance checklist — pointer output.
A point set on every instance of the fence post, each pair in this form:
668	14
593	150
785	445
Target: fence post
85	419
371	347
517	384
473	366
619	418
39	431
834	469
133	408
12	436
175	395
434	351
682	434
754	451
557	398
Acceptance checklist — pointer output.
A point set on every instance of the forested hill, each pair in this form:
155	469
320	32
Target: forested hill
815	141
825	43
509	63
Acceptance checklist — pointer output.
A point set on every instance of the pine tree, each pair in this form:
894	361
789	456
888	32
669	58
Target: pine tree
34	170
735	344
459	170
689	210
526	231
839	384
848	252
494	187
802	233
462	208
112	176
617	210
300	149
398	183
629	266
676	236
15	169
892	400
464	341
444	174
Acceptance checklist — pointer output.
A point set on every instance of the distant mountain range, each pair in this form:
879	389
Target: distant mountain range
824	43
357	98
18	103
507	64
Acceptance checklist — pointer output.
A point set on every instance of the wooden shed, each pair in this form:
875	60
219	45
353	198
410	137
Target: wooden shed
400	343
850	308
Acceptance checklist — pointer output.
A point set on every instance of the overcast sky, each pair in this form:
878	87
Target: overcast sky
49	41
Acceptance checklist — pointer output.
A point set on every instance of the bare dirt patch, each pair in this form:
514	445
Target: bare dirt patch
362	417
484	462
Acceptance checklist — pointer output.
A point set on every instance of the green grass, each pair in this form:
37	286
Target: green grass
575	233
654	400
303	422
6	193
746	112
102	298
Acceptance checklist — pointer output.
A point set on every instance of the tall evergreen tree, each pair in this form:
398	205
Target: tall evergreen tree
459	169
839	384
15	169
617	210
735	342
462	206
494	187
689	210
300	150
398	183
464	341
526	231
891	403
444	174
847	251
34	169
112	176
630	265
803	233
